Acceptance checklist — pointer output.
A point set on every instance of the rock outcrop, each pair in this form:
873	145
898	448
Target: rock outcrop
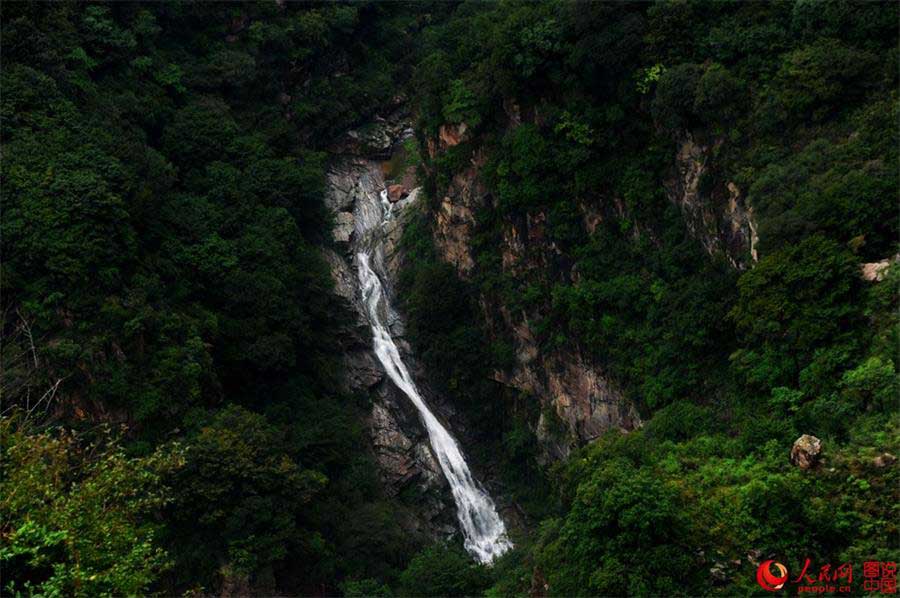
806	451
720	217
376	139
396	193
573	392
876	271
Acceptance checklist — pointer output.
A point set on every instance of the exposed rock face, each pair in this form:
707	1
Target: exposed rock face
451	135
455	219
343	227
399	444
344	279
805	452
402	459
876	271
396	193
376	139
571	390
720	217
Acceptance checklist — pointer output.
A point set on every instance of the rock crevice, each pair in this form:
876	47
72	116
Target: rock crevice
720	217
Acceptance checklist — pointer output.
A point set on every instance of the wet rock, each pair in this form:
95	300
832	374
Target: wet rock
362	371
396	193
344	280
806	451
341	187
407	465
386	433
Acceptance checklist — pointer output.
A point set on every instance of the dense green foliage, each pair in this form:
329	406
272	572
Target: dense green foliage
162	225
162	171
77	515
576	111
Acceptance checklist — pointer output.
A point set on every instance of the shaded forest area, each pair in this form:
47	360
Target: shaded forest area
163	168
172	419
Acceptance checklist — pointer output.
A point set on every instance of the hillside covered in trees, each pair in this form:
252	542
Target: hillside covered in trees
654	244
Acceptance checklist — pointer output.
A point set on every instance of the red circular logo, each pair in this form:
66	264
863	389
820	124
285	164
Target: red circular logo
767	580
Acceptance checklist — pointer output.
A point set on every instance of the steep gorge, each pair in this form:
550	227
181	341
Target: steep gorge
367	226
355	183
368	284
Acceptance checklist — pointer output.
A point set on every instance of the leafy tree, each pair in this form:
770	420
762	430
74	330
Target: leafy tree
625	534
673	104
793	303
462	106
239	496
365	588
444	570
811	79
719	94
78	517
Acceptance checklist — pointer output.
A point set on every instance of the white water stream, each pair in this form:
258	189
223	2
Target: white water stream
484	531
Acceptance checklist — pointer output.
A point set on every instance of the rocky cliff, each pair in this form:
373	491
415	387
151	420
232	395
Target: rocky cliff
572	390
719	217
356	179
578	400
564	380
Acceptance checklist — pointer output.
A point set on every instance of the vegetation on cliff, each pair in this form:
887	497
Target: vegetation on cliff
574	115
172	420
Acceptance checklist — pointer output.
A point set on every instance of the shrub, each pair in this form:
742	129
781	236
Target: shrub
444	570
673	104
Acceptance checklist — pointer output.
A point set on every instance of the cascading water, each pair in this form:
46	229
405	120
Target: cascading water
484	531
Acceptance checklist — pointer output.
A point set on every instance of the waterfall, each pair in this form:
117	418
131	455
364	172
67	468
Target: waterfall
484	531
